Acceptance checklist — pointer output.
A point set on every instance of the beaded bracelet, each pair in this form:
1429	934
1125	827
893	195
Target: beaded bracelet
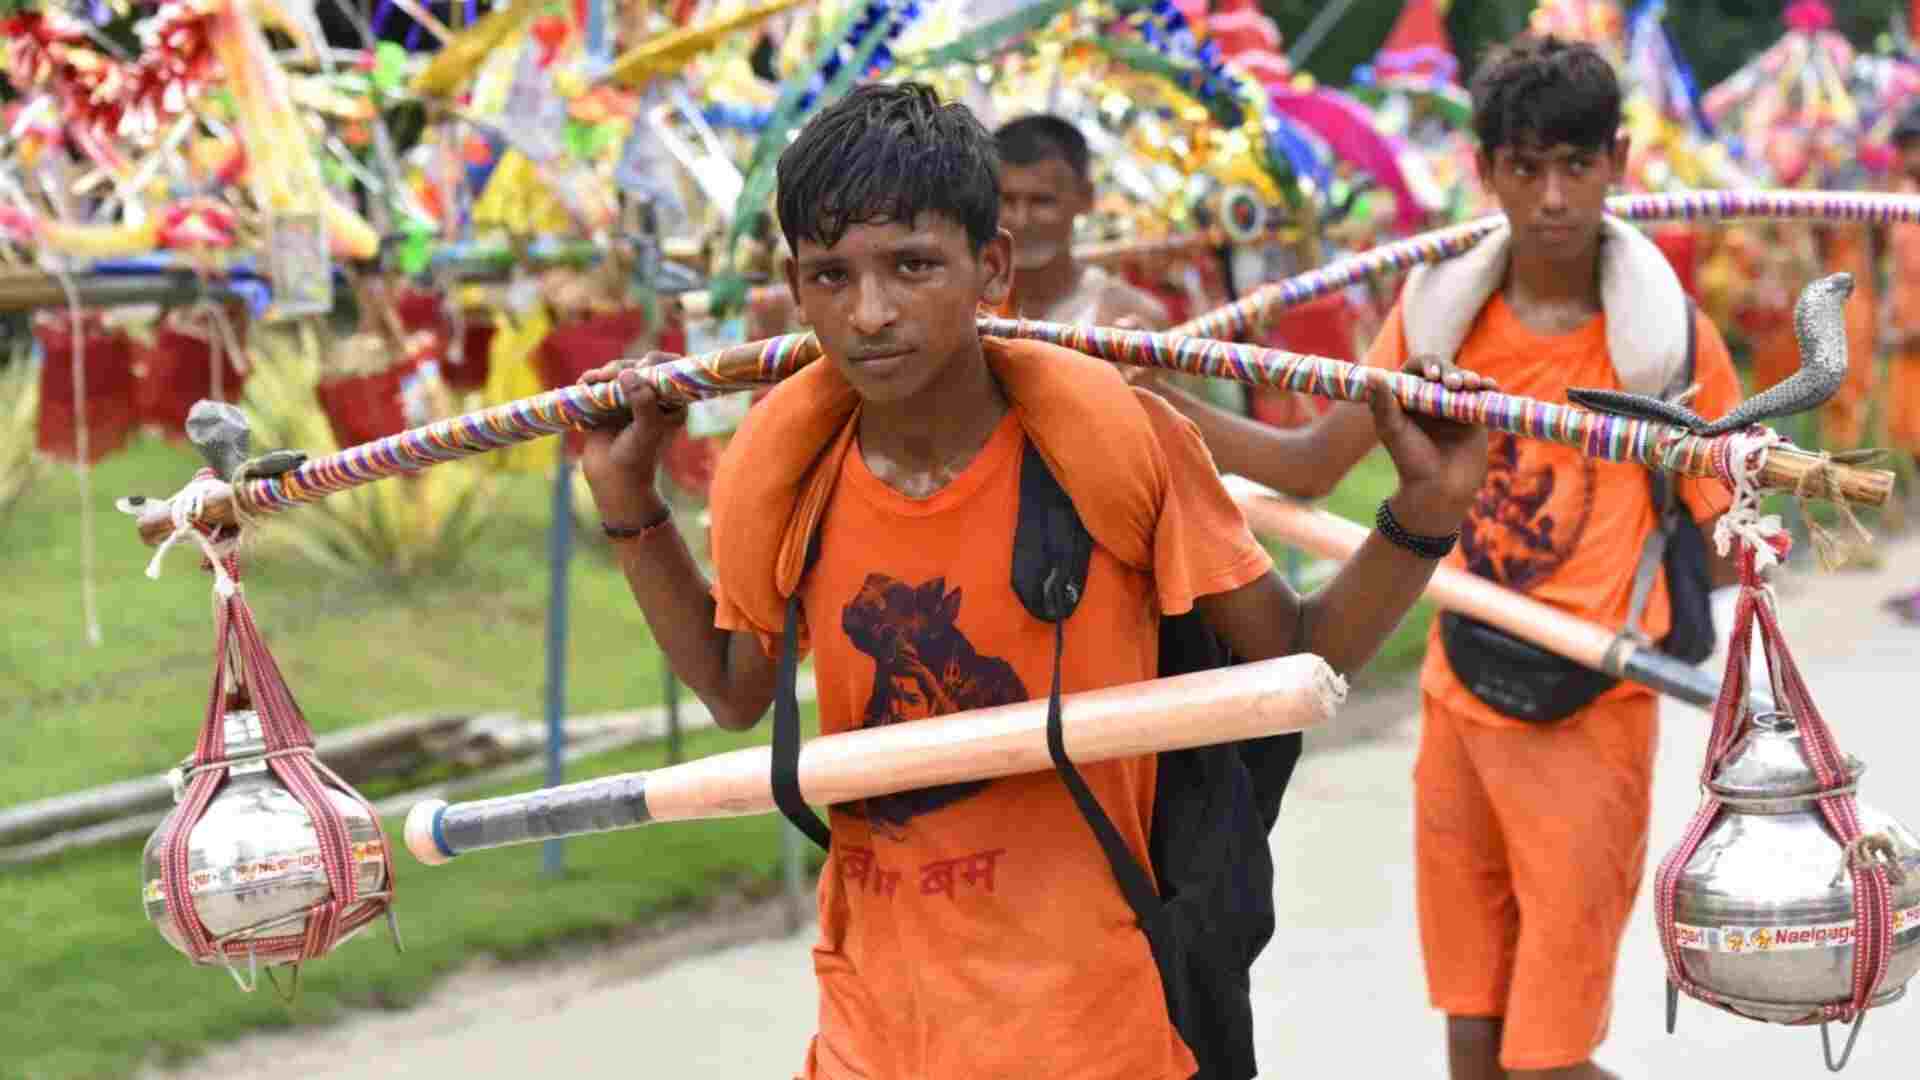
636	532
1427	547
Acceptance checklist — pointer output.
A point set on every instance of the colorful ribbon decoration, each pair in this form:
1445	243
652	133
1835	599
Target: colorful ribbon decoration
1864	208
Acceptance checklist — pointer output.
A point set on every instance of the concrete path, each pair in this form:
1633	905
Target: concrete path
1338	993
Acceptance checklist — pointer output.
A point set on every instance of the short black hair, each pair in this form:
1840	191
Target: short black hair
888	153
1543	91
1040	137
1907	130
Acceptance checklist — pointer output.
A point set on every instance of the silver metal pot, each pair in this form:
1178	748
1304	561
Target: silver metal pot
1764	908
254	857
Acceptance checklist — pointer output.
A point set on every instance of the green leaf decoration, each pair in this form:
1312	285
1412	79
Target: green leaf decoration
727	292
1226	110
334	173
979	44
587	141
786	115
416	248
389	67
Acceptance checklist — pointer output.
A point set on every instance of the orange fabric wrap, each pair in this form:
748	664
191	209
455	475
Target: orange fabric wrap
782	465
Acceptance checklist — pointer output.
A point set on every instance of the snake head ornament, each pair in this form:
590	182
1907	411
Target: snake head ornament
271	464
220	432
1819	323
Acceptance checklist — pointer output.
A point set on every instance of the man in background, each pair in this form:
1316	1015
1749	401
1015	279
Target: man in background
1532	791
1046	183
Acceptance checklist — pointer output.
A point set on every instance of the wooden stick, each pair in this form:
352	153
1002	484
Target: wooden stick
1272	697
31	290
1168	247
1585	643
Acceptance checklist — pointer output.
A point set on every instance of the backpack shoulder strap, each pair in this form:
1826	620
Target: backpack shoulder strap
786	721
1051	552
1666	502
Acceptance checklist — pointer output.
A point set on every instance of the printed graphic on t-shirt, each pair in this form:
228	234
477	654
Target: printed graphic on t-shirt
923	665
1529	515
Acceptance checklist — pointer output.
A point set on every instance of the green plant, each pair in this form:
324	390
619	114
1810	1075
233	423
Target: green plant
19	408
423	524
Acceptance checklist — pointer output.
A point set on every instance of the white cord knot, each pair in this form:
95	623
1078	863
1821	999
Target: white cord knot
184	509
1743	521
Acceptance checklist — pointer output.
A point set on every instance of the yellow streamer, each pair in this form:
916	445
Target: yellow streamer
463	55
511	376
667	53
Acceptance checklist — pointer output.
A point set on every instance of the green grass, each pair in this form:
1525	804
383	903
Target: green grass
1355	499
90	989
353	651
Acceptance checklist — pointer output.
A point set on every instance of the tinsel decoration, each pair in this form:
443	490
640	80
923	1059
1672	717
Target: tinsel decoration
103	96
859	46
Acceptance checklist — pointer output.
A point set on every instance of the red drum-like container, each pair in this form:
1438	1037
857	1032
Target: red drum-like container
573	349
111	412
362	408
177	370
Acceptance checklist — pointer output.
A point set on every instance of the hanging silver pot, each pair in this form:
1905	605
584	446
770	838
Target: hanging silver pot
254	858
1764	908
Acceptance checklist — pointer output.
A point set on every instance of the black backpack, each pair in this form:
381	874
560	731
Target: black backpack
1213	809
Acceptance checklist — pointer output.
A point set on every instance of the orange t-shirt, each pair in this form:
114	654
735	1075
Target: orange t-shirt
1903	242
1561	527
976	930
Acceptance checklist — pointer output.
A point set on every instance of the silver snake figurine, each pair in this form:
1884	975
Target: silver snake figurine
220	432
1819	322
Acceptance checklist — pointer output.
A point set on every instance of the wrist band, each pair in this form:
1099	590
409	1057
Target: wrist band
635	532
1427	547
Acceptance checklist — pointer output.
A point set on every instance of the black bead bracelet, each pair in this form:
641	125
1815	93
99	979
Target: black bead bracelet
635	532
1427	547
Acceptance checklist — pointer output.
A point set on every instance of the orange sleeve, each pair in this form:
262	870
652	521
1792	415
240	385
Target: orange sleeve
1389	349
729	616
1719	393
1201	543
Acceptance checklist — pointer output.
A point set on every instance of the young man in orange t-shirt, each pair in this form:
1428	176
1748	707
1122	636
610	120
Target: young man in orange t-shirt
1531	837
973	930
1903	327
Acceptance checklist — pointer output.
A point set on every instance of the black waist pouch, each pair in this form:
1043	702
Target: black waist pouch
1514	677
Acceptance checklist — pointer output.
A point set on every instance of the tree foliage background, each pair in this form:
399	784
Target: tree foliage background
1715	36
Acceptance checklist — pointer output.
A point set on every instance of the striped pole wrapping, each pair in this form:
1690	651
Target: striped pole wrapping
1237	319
1600	435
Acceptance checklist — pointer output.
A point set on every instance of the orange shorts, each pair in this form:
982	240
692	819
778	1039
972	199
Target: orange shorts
1530	845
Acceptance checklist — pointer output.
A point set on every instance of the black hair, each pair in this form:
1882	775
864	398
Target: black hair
1031	140
888	153
1545	91
1907	130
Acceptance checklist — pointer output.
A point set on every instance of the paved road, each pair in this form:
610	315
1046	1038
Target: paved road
1338	993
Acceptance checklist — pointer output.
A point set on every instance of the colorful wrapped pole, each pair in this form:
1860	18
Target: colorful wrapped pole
742	367
1600	435
1863	208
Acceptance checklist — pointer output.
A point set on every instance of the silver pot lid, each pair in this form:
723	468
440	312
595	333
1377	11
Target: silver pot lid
246	749
1769	763
246	737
